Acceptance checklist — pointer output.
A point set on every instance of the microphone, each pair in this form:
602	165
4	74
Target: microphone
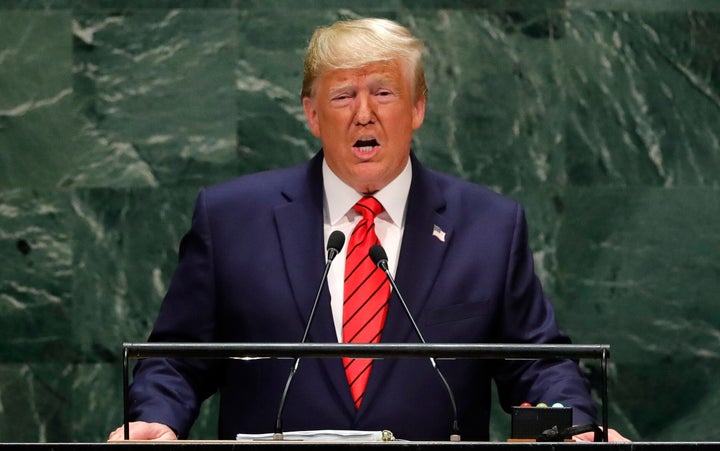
379	257
334	245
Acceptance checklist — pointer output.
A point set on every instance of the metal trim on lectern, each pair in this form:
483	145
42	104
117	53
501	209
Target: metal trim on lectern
379	350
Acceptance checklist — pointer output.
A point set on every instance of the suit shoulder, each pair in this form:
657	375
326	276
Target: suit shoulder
470	195
261	186
271	179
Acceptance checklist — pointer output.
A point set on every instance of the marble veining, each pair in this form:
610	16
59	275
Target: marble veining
602	117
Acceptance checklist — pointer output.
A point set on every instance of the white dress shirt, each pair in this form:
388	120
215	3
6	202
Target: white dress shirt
339	215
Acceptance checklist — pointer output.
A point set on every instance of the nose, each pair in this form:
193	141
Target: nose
364	114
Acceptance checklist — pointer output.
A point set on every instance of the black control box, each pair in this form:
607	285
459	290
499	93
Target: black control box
531	422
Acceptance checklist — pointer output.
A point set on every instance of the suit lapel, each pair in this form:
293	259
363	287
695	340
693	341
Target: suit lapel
300	231
421	258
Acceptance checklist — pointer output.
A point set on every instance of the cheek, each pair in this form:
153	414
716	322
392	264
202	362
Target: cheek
330	132
334	122
402	127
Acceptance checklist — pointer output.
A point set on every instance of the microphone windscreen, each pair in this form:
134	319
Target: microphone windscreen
377	254
336	241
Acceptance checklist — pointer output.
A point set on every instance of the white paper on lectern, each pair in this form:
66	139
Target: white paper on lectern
325	435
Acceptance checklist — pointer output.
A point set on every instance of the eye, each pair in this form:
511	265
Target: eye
384	95
341	98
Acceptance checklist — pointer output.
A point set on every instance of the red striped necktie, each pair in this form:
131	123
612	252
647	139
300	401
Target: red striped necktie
366	295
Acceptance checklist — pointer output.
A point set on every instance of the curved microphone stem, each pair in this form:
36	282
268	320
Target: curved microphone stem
382	264
278	434
335	243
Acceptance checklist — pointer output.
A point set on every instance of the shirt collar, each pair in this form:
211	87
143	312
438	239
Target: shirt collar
340	197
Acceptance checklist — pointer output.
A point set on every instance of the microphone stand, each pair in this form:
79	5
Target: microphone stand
335	243
377	254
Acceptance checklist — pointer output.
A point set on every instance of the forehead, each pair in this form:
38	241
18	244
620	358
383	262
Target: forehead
390	71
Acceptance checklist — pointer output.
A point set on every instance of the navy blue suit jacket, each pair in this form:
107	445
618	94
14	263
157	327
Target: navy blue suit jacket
248	271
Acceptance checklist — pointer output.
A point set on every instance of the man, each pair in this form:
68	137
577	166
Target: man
252	260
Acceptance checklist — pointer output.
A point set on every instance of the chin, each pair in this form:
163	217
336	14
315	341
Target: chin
366	188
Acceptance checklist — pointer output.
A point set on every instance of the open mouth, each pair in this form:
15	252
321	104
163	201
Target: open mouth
365	144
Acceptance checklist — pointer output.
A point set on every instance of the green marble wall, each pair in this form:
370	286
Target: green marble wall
602	117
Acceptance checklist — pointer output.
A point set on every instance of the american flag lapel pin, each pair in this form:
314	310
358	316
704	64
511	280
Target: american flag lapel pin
438	233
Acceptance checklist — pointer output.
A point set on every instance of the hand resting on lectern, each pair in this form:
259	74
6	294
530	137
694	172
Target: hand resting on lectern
140	430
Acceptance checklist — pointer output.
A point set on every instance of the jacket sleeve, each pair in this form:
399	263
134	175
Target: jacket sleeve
170	391
527	316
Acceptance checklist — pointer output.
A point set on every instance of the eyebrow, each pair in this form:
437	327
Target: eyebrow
341	88
372	82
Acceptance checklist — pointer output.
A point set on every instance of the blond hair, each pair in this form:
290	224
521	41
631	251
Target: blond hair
350	44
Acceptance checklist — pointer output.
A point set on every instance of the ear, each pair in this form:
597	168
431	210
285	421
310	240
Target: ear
419	113
311	114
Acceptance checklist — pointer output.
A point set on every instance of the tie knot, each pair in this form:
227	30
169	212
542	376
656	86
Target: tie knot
368	207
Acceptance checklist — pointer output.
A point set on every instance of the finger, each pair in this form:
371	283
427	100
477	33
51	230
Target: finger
166	436
115	435
584	437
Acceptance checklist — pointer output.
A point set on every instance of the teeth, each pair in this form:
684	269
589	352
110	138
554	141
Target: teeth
365	149
366	142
